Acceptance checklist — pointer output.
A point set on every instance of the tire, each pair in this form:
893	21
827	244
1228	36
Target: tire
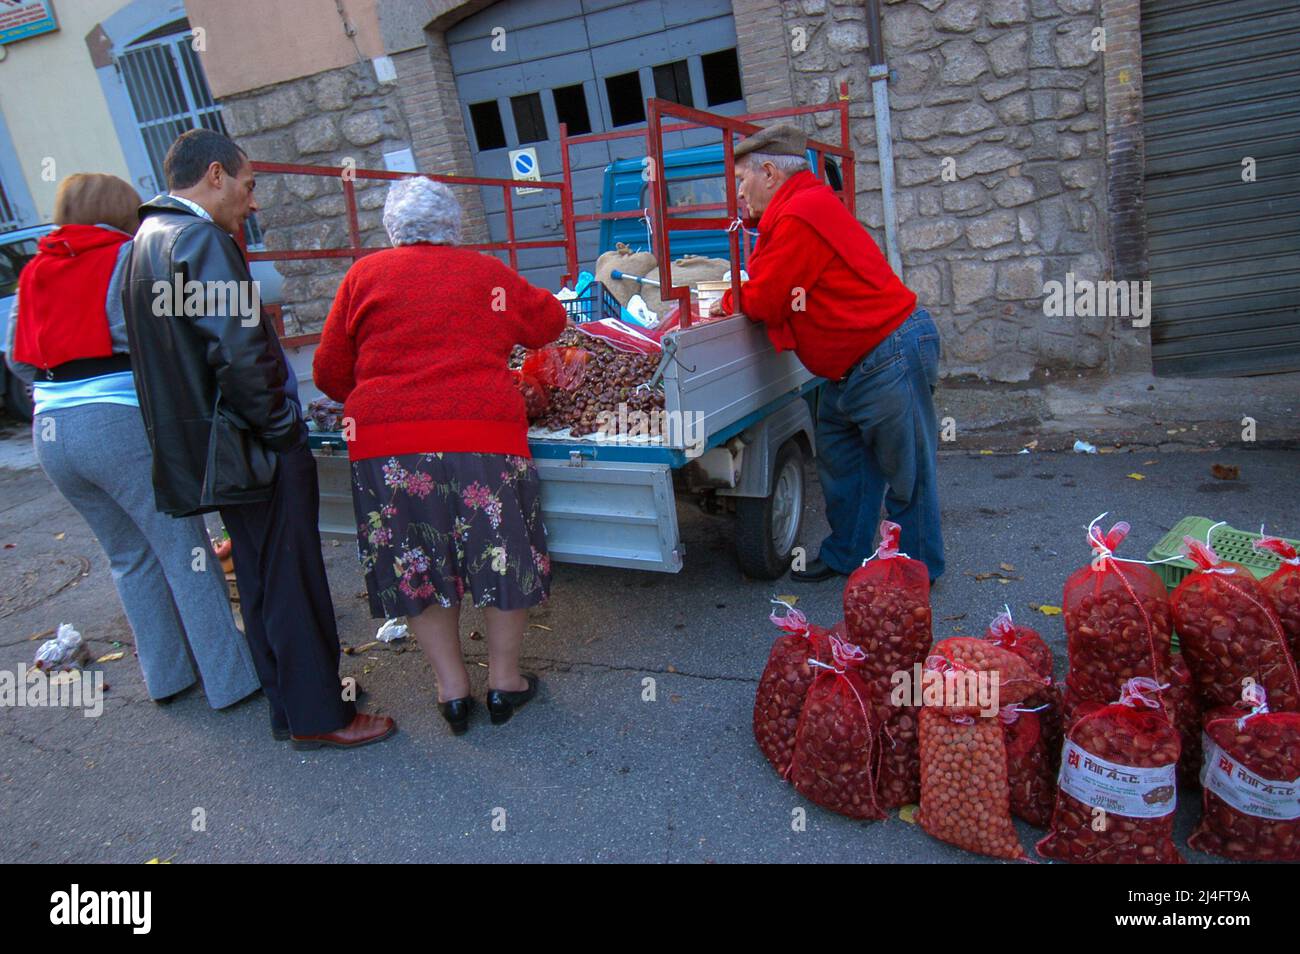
767	528
18	398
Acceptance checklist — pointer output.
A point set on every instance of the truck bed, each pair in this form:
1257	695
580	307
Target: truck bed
610	502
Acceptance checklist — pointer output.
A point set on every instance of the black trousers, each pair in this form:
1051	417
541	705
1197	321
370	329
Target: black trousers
285	600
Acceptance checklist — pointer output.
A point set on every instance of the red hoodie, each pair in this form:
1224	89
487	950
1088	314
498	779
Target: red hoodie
61	296
818	281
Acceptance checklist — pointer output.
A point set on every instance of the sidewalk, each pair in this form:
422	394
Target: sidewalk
1127	410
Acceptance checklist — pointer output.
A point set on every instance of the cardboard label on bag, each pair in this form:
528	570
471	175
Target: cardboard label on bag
1118	789
1248	793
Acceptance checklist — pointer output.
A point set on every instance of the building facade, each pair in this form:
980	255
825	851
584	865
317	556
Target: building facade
1048	157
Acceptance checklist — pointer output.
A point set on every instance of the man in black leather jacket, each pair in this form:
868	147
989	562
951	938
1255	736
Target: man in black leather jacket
221	410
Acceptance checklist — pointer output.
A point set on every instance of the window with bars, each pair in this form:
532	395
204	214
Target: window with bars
170	95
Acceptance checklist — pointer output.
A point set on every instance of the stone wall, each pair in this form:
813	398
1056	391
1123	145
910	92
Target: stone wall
325	119
997	109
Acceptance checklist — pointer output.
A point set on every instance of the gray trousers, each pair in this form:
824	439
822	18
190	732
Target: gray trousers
99	459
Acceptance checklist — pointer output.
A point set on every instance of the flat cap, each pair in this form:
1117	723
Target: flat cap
783	139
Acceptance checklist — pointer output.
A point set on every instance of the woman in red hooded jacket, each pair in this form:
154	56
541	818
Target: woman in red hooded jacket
69	342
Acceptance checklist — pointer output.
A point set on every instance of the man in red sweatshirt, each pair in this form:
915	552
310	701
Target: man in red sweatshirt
823	290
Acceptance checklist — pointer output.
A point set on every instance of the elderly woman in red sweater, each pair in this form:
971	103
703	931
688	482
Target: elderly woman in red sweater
447	498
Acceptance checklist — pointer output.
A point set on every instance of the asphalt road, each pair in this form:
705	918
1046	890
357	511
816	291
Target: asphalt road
589	772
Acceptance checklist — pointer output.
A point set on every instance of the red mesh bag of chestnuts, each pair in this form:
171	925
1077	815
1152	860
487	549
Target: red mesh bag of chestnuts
1230	633
834	761
1186	711
784	684
965	797
1283	588
536	398
1032	733
887	610
1024	641
1251	782
899	745
1117	621
1117	791
561	368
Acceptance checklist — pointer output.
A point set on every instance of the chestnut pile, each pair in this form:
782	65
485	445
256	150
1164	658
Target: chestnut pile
610	378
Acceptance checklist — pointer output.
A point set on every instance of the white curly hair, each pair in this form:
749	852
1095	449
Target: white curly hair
421	210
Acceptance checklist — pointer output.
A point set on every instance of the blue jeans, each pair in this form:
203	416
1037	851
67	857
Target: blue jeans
877	437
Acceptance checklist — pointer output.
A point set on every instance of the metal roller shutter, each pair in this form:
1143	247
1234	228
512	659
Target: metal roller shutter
1221	82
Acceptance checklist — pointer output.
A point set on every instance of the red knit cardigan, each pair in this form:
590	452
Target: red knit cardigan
416	347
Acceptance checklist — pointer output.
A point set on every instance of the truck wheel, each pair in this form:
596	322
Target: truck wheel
767	527
18	399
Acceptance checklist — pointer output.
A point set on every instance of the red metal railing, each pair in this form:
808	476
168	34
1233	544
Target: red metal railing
354	249
665	218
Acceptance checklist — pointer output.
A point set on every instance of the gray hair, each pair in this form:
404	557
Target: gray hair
787	164
421	210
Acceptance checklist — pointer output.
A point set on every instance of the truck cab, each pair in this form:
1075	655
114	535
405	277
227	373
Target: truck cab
694	177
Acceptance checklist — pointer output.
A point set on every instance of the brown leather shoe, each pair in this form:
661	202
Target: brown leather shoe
362	730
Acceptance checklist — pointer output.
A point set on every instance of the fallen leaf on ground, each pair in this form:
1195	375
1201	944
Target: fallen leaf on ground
1136	476
788	598
110	657
364	646
908	813
672	668
1226	471
1009	567
60	536
540	626
1047	609
986	453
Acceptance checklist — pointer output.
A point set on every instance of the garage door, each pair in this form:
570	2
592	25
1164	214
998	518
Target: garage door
1221	87
591	63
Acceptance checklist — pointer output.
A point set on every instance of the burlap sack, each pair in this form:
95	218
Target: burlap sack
628	261
686	271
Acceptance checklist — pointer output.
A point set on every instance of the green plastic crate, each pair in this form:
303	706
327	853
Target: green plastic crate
1228	543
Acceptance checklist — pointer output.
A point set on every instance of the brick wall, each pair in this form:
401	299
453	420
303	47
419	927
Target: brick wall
998	113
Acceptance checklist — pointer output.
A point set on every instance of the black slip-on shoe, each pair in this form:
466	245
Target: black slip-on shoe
502	704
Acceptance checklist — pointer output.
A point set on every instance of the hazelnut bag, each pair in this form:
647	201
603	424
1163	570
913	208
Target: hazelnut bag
887	611
1283	588
1117	621
1230	633
1251	782
1116	793
834	763
784	684
965	798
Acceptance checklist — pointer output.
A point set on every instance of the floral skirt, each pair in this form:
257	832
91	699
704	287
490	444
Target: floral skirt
433	527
